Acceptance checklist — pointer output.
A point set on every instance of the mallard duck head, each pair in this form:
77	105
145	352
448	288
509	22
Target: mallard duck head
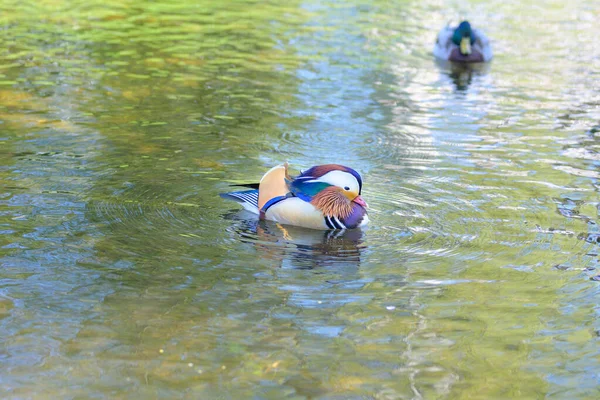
463	37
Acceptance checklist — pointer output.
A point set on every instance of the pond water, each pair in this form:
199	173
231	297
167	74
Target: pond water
124	275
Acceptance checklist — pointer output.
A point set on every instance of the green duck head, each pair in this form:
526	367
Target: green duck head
463	37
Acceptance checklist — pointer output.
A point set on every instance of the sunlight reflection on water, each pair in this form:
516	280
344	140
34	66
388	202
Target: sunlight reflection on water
125	275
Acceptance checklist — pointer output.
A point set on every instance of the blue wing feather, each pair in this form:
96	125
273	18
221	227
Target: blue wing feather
304	189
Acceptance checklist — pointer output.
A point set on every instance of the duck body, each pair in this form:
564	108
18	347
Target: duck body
322	197
462	44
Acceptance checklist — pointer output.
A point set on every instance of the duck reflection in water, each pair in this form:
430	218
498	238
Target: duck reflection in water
300	248
462	74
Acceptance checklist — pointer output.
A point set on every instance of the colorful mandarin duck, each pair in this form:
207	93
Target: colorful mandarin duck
322	197
462	44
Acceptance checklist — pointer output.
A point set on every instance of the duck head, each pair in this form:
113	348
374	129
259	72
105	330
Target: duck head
333	189
463	37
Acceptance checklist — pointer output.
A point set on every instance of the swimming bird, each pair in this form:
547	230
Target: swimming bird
322	197
462	44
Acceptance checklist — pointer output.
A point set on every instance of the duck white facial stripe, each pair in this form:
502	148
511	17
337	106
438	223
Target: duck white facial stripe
341	179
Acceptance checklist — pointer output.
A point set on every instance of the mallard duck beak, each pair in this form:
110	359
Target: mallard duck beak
465	46
361	202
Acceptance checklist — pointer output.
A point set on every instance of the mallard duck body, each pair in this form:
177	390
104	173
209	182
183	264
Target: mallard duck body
462	44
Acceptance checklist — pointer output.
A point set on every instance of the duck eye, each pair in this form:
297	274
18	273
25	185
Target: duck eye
346	188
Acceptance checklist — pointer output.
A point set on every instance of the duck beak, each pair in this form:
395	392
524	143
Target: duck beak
465	46
359	200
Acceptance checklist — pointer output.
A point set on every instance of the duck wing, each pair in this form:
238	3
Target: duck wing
443	44
247	198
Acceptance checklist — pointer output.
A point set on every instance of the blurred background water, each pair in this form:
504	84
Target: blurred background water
124	275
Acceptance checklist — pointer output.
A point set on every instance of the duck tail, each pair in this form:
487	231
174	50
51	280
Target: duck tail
247	185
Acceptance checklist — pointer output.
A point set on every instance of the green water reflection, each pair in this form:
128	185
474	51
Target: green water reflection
124	275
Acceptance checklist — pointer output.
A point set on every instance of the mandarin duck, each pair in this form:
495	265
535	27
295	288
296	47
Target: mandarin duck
322	197
462	44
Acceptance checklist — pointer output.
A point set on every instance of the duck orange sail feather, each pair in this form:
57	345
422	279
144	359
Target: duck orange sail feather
273	184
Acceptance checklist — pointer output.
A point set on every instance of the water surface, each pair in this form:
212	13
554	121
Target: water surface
124	275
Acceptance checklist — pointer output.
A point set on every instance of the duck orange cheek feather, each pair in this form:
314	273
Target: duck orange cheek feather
332	201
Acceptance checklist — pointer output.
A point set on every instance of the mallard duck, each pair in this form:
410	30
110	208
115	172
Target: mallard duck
462	44
322	197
